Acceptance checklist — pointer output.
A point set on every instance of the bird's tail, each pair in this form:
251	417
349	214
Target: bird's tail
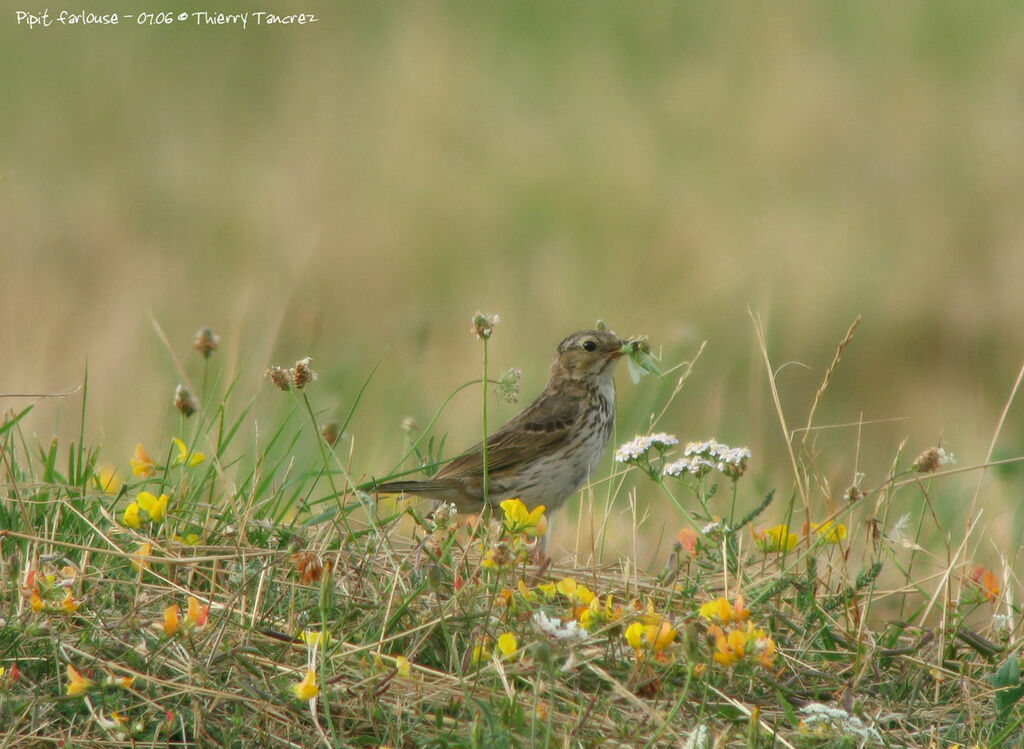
432	488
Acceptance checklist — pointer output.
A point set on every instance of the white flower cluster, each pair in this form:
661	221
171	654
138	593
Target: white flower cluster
443	514
556	629
818	718
700	458
1002	624
639	446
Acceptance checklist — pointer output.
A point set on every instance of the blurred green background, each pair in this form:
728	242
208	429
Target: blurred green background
364	184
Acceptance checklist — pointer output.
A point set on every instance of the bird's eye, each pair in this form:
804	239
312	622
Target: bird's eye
590	345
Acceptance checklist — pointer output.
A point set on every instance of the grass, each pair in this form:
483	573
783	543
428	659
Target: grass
274	603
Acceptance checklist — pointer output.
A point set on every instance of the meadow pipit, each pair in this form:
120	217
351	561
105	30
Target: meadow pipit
545	453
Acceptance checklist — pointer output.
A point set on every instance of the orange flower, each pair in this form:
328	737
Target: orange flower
687	539
142	464
69	604
985	579
197	615
172	620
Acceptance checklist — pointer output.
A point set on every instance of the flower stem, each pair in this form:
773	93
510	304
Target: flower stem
483	415
321	443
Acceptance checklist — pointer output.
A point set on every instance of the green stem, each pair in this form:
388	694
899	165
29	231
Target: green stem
483	451
321	442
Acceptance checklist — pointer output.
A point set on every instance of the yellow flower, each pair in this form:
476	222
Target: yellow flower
722	612
172	620
520	520
507	645
184	458
729	648
108	480
313	638
154	507
35	602
403	666
306	689
530	596
777	538
635	636
77	684
718	610
69	604
653	637
480	650
831	532
142	464
575	592
761	645
548	589
131	516
139	557
599	613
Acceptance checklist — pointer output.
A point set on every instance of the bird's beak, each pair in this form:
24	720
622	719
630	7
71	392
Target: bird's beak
621	349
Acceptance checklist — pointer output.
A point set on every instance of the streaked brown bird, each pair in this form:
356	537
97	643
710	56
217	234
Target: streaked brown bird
543	455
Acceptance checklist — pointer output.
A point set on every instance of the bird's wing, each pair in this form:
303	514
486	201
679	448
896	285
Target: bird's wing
537	430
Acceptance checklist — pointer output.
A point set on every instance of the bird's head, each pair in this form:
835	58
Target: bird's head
587	354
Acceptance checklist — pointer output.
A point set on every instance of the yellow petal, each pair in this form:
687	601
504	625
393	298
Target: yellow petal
183	455
507	644
108	480
197	614
403	666
154	507
138	558
314	638
69	604
77	684
172	619
635	635
306	689
566	586
131	516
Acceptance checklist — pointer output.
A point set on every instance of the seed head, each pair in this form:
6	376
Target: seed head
932	459
302	374
483	325
184	401
280	377
206	342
